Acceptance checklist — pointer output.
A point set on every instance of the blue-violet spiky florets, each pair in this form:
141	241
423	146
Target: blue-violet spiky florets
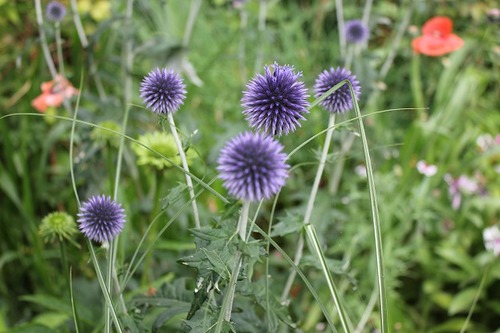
253	166
101	219
55	11
340	100
276	101
163	91
356	31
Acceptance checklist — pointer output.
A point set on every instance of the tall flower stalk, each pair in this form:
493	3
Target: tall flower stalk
252	168
335	97
163	92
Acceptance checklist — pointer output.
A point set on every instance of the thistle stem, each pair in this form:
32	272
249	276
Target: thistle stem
189	181
341	26
78	24
227	302
60	59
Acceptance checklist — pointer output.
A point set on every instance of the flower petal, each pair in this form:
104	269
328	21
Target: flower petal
439	25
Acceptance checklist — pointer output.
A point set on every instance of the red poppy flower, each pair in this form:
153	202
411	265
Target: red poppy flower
54	93
437	38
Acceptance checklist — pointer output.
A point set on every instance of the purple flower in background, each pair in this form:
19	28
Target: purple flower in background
163	91
356	31
55	11
252	166
340	100
459	186
491	236
276	101
101	219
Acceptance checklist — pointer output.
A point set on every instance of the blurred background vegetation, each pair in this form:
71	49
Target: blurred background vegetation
434	251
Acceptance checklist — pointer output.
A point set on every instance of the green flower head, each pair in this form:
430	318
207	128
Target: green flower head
58	225
162	143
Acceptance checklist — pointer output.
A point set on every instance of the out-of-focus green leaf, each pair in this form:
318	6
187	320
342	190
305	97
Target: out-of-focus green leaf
462	301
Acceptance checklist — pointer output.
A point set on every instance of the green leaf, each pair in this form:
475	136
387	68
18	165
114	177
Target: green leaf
290	224
462	301
167	315
31	328
52	319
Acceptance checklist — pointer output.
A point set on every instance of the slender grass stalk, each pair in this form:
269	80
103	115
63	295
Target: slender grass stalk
242	46
227	302
105	291
341	26
193	12
73	304
366	11
60	59
416	82
310	205
375	218
360	328
476	297
185	166
128	59
339	166
78	24
316	249
43	40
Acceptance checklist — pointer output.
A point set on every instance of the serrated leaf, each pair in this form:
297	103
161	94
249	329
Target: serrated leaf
173	196
289	224
462	301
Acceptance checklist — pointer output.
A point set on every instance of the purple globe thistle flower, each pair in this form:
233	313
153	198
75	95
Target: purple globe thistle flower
356	31
339	101
101	219
163	91
55	11
252	166
276	101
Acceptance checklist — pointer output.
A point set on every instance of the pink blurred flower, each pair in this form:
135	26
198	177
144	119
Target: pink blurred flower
459	186
425	169
53	93
491	236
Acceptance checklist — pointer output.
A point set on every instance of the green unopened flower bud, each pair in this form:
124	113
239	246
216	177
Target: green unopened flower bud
58	225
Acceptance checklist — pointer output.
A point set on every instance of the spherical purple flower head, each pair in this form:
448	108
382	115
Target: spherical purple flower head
356	31
276	101
101	219
339	101
55	11
252	166
163	91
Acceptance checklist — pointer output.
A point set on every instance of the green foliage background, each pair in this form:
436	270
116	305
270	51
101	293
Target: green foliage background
434	254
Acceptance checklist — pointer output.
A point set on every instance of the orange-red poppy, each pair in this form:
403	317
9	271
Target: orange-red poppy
437	38
53	93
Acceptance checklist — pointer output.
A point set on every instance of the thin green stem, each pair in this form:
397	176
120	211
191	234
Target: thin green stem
227	302
316	249
375	218
78	24
43	40
339	166
105	291
341	26
185	166
73	304
261	29
60	59
310	205
193	12
476	297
